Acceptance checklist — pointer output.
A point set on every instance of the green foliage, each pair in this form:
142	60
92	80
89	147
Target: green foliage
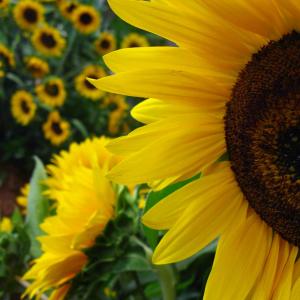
38	207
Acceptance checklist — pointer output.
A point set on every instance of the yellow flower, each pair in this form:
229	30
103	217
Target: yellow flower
86	19
6	56
36	66
4	4
231	85
67	8
52	92
105	43
56	130
133	40
77	177
48	41
22	199
83	86
6	225
22	107
109	293
28	14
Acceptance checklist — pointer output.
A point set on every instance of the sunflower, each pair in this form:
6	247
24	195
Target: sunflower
37	67
5	225
52	92
22	107
86	19
67	8
83	86
77	177
22	199
133	40
230	86
105	43
4	4
28	14
48	41
56	130
7	57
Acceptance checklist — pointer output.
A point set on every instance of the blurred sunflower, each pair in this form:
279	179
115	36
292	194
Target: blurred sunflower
105	43
48	41
52	92
28	14
7	57
133	40
37	67
4	4
67	8
83	86
86	19
56	130
22	199
232	84
77	177
22	107
5	225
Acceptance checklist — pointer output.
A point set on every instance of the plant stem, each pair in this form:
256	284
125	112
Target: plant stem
167	281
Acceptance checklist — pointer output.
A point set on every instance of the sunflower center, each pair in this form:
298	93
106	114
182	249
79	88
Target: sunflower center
85	18
88	84
48	40
52	89
24	106
262	126
56	128
30	15
105	44
133	45
71	7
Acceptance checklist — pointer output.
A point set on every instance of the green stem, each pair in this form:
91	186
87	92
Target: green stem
167	281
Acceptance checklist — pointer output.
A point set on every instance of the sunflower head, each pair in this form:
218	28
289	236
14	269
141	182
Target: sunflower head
230	88
67	8
105	43
7	57
133	40
22	199
28	14
52	92
37	67
48	41
86	19
22	107
56	130
76	177
84	87
6	225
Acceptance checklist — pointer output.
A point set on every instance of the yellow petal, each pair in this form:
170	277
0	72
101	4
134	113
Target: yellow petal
240	258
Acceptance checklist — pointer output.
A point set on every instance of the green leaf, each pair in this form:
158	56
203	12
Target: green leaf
153	198
132	262
38	206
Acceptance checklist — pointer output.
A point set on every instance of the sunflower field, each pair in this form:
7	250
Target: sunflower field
149	149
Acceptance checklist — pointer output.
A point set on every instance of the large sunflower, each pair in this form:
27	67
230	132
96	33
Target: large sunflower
56	130
86	19
76	178
48	41
22	107
83	86
232	85
52	92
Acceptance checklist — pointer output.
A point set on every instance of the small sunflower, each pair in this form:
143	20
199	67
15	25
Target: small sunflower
86	19
4	4
6	225
22	107
67	8
133	40
22	199
56	130
52	92
37	67
28	14
230	86
77	177
83	86
105	43
48	41
7	57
